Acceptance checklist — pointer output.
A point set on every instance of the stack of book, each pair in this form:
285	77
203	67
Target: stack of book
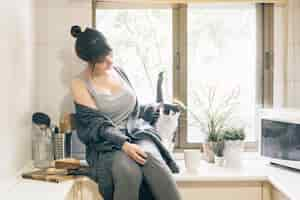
64	170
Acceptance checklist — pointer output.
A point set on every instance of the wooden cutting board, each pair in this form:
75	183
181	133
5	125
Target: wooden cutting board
49	175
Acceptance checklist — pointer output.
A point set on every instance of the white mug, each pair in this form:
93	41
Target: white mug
192	159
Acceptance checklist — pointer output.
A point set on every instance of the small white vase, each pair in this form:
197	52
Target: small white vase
232	153
219	161
192	159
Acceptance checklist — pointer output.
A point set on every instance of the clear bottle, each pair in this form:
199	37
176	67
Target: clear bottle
42	146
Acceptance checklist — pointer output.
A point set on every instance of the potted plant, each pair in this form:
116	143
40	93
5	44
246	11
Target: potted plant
212	112
234	144
208	147
213	135
218	148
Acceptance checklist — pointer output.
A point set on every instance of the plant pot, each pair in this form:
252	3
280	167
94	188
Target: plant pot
219	161
232	153
209	154
192	159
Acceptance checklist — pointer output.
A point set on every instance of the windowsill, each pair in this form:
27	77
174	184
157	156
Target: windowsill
249	146
179	155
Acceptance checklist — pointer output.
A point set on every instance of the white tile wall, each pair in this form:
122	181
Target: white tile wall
293	69
296	101
297	61
279	55
37	63
297	26
54	23
291	62
17	85
56	60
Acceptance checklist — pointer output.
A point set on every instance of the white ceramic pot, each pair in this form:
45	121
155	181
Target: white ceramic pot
192	159
219	161
232	153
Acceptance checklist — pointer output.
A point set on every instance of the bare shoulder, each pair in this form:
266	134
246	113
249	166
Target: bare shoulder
80	93
77	83
77	88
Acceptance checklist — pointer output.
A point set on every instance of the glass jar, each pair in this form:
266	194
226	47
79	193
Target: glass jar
42	147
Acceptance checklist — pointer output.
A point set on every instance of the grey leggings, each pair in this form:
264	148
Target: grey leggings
128	175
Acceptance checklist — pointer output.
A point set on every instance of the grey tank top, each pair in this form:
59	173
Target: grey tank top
117	106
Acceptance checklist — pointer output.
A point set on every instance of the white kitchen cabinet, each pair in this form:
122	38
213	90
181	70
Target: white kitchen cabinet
277	195
266	191
87	189
221	190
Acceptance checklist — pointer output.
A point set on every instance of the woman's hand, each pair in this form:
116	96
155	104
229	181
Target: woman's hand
135	152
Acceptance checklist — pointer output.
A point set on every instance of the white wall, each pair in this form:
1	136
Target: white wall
280	54
293	70
56	61
37	63
17	85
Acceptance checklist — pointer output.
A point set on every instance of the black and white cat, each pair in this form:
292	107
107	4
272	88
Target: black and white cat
167	122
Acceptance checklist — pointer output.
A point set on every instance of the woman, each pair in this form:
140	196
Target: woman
122	153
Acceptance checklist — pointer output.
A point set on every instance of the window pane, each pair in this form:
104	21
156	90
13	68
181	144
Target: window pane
142	45
221	66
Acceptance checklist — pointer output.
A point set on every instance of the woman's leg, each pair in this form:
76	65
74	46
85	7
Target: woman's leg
127	177
157	174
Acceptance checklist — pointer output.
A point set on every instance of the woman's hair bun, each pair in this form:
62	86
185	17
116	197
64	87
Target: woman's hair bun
75	31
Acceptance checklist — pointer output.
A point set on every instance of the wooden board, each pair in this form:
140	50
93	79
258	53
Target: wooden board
45	175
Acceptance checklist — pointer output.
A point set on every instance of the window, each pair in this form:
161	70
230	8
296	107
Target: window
205	51
142	44
222	65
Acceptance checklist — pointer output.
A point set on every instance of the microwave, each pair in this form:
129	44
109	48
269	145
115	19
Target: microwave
280	140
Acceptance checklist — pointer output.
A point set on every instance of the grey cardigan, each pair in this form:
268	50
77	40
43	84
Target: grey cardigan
93	129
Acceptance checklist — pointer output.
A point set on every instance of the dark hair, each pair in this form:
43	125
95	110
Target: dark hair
91	45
